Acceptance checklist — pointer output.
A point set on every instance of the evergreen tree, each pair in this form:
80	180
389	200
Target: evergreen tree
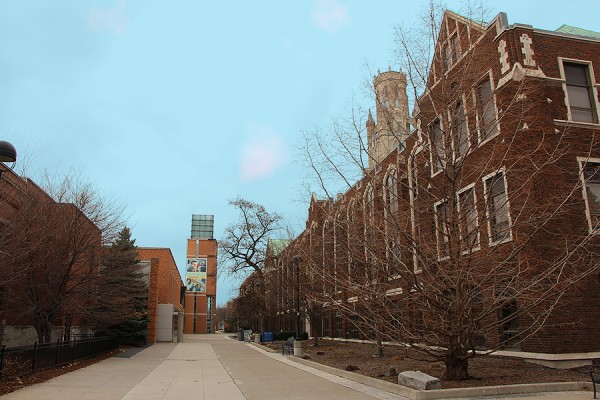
122	306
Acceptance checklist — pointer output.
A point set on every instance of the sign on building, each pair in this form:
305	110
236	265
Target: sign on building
195	275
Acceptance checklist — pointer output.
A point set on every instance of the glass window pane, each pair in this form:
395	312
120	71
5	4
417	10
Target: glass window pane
579	97
486	110
582	115
591	174
460	130
498	208
438	143
576	74
456	47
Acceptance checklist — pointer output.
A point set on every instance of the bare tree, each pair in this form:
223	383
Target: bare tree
450	242
52	247
244	246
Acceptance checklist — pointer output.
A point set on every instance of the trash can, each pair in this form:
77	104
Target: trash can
241	335
298	348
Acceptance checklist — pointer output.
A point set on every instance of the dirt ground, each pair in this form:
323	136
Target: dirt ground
10	385
485	370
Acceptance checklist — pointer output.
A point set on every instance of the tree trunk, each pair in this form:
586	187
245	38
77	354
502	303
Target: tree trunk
313	329
44	332
379	345
457	364
43	328
457	369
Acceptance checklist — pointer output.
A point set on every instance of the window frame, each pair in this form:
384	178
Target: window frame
485	180
592	89
433	147
477	244
413	182
464	123
479	111
451	51
392	173
582	161
438	229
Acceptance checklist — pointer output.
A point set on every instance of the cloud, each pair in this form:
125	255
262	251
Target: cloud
109	19
330	15
264	152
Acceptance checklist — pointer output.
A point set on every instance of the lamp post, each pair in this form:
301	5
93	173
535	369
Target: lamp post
7	154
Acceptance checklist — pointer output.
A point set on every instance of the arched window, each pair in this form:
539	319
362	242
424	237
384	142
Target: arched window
391	227
351	239
391	192
327	254
369	217
338	257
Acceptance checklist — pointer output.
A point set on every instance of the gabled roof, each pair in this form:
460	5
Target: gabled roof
573	30
476	25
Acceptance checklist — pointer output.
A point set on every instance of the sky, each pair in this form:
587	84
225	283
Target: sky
172	108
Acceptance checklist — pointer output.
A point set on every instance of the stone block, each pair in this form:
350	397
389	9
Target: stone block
418	380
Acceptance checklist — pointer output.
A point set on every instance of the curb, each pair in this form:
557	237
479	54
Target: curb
448	393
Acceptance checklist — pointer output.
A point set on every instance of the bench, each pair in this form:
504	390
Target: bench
288	346
595	374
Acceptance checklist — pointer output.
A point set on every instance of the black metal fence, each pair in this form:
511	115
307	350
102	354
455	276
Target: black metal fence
23	360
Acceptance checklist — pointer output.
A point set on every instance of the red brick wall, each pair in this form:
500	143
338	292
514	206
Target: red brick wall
165	283
202	249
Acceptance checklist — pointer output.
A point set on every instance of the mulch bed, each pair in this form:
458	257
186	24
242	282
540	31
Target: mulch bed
485	370
7	386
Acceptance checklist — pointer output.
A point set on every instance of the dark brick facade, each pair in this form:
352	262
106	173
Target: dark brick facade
530	156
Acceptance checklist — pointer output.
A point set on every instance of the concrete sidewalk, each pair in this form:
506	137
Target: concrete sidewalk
212	367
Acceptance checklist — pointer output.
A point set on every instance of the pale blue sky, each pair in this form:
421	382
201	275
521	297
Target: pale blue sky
174	107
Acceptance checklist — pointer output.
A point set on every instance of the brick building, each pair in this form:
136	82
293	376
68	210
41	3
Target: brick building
486	204
165	289
201	277
49	257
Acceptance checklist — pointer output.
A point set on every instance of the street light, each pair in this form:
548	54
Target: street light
8	154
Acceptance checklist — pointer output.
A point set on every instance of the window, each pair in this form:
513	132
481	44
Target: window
580	94
451	52
369	226
591	178
468	220
497	208
437	146
441	228
413	174
486	110
447	57
455	43
354	327
459	130
339	326
391	186
351	218
209	314
393	255
326	326
369	214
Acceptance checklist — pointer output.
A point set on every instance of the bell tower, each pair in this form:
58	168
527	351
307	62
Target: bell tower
391	110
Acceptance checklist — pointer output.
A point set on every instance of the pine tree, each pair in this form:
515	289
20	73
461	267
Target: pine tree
122	307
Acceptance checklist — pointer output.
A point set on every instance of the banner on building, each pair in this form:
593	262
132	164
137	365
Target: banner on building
195	275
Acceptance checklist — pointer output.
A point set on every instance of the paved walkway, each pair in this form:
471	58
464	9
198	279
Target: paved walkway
210	367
